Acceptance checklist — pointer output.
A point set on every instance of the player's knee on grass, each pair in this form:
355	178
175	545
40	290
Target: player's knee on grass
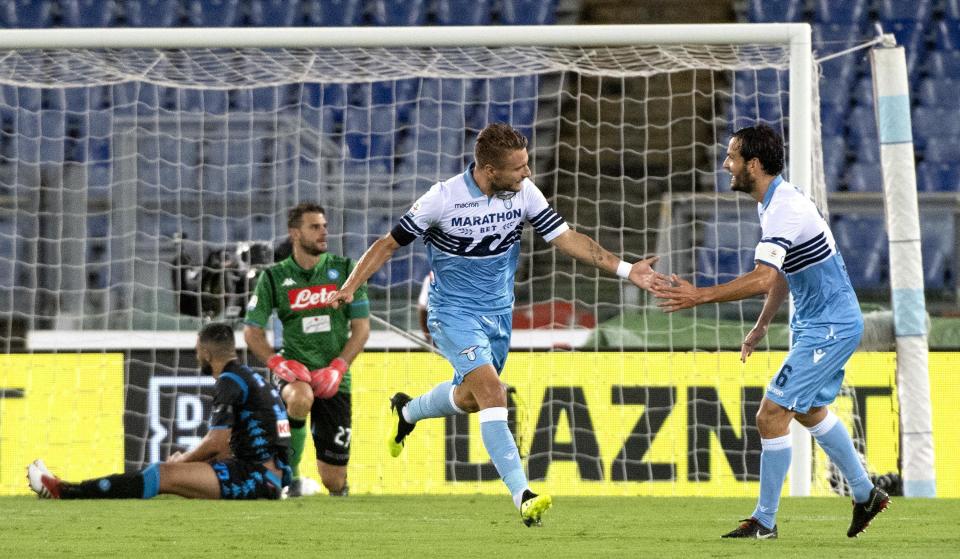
298	397
334	478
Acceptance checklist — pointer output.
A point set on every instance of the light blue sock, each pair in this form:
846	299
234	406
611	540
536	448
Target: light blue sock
774	463
835	441
498	440
436	403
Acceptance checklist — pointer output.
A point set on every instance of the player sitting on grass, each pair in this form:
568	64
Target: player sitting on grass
242	456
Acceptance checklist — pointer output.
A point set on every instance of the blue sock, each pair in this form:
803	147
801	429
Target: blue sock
498	440
436	403
774	463
835	441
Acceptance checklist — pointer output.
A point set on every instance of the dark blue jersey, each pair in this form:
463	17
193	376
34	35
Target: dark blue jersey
249	405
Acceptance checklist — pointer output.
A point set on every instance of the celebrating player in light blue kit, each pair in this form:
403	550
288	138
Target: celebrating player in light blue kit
471	225
796	254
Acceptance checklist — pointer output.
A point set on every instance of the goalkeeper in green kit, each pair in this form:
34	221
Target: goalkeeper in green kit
319	343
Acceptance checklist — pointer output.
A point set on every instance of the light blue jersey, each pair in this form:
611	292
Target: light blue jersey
827	323
473	241
797	241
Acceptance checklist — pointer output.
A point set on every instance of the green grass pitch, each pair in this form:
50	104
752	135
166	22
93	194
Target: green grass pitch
470	526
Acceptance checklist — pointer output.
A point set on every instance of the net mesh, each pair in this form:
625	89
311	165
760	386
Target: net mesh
145	189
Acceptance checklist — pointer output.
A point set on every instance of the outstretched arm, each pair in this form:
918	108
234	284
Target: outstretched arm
584	249
372	260
684	295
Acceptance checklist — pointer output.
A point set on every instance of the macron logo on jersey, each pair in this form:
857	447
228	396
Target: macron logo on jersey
308	298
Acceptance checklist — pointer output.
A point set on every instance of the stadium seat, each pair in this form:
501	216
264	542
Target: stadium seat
832	124
933	176
26	14
152	13
940	92
943	150
335	13
833	37
911	35
721	257
834	161
399	12
897	10
275	13
864	177
864	250
951	10
932	124
867	152
772	11
947	35
464	12
938	252
528	12
943	64
213	13
849	12
88	13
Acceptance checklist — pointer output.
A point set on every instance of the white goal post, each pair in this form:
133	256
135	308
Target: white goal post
577	72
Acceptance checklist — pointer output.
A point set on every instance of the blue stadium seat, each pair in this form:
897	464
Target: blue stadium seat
836	93
335	13
867	152
938	253
947	34
88	13
864	250
152	13
399	12
833	37
911	35
861	127
832	124
942	150
938	177
26	14
528	12
943	64
213	13
720	258
935	124
897	10
464	12
834	161
775	10
951	9
940	92
275	13
864	177
850	12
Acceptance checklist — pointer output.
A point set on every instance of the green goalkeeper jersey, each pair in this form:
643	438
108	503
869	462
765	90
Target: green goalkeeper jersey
313	332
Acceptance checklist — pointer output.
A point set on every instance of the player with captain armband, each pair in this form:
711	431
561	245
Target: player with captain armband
319	343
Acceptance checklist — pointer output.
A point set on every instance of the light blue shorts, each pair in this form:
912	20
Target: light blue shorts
469	341
813	372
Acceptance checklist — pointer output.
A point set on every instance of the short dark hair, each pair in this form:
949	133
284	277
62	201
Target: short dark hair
495	141
762	143
295	215
218	337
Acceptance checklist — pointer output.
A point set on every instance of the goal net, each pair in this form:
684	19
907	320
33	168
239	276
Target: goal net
145	188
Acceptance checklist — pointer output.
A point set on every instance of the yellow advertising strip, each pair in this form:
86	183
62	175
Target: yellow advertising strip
66	409
596	413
